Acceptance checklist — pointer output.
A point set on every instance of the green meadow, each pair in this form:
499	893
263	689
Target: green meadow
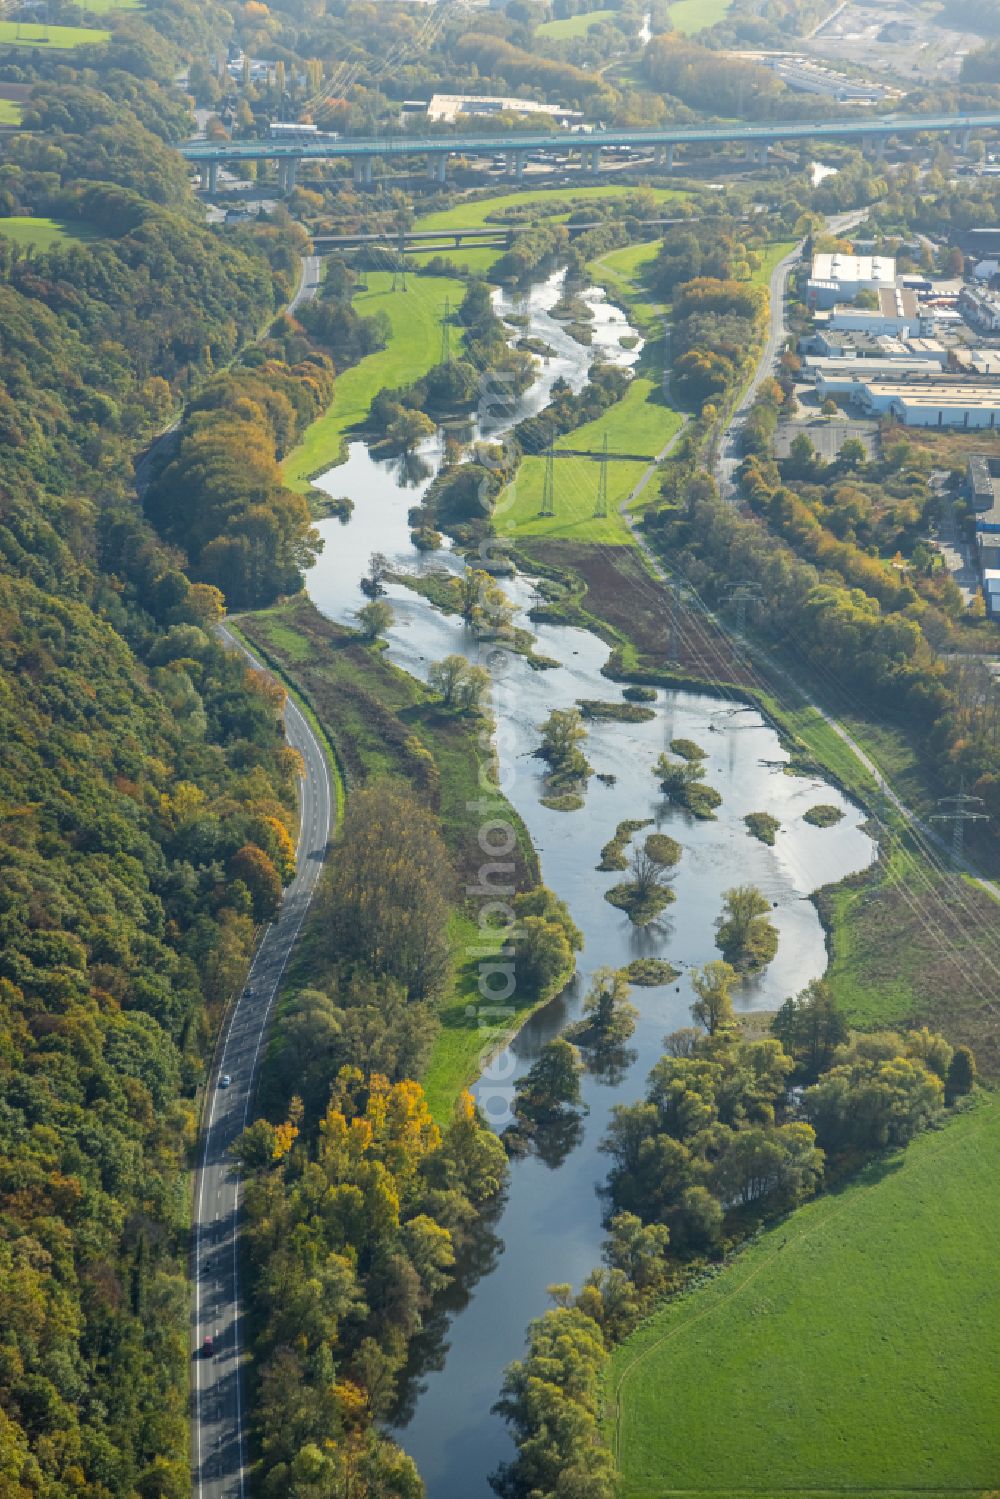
413	348
852	1349
575	486
43	233
474	214
49	38
690	16
573	26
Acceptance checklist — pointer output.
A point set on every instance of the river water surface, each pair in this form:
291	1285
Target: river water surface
549	1228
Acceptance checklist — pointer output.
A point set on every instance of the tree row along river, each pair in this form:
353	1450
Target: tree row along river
549	1227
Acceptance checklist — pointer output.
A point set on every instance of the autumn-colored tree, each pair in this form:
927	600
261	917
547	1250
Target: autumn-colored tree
252	865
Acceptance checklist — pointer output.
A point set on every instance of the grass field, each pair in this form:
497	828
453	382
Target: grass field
690	16
770	256
10	112
572	26
623	274
639	424
576	482
473	215
360	701
853	1348
43	233
478	258
49	38
413	348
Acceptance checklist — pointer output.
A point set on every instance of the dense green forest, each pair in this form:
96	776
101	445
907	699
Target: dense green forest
147	798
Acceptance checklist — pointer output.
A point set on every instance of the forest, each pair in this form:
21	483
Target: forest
147	798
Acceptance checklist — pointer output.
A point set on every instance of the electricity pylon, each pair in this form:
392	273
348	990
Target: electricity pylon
601	508
549	484
446	332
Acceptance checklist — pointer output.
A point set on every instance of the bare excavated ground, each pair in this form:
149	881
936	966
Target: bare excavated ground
668	632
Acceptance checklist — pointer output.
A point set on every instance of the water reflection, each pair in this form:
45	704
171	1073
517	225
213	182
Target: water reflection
549	1227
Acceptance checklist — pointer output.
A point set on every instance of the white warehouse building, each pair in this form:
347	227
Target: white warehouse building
838	278
919	402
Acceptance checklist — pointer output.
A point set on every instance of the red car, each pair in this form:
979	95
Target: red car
208	1348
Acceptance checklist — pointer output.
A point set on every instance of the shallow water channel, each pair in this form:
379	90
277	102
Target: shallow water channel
549	1228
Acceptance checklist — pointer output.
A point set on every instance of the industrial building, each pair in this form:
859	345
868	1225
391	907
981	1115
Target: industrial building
981	307
897	313
984	488
917	399
839	278
448	107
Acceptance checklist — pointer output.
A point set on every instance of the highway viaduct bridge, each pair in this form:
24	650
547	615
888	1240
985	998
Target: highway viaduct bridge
873	132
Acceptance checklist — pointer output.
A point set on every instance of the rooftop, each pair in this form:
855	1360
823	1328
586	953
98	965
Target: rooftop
898	302
877	269
950	392
450	106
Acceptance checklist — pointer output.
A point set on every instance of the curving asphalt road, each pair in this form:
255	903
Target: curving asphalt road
218	1436
729	454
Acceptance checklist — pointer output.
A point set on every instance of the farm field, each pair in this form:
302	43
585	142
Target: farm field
412	350
44	233
50	38
690	16
573	26
10	112
853	1348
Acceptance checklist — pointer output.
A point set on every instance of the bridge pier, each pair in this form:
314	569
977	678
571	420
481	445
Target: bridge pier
590	160
515	164
363	171
437	167
756	151
210	177
288	172
664	156
960	139
873	145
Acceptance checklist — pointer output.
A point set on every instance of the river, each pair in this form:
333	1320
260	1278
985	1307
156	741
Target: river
549	1227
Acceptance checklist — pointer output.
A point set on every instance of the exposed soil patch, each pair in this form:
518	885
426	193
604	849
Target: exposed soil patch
619	590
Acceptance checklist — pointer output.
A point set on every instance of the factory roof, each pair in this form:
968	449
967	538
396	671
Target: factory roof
879	269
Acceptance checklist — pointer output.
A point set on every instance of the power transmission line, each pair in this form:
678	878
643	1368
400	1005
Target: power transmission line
601	508
549	484
962	812
446	332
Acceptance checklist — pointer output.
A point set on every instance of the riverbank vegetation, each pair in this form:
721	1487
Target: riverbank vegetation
718	1147
412	345
388	729
745	937
340	1294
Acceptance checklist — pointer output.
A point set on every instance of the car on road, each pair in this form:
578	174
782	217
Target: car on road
225	1080
208	1348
